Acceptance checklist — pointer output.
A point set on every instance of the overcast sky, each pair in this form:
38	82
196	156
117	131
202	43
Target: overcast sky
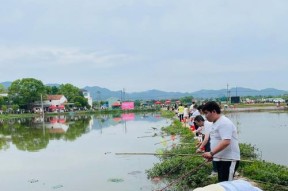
183	45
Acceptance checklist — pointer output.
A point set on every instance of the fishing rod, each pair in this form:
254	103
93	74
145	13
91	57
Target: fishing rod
175	154
181	177
155	135
176	137
165	141
163	154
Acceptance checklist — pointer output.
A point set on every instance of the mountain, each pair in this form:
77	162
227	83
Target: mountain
6	84
239	91
98	93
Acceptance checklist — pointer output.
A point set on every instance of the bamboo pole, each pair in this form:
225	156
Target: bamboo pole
175	154
163	154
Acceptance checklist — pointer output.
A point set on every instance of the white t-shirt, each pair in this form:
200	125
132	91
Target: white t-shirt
222	129
186	112
195	113
206	128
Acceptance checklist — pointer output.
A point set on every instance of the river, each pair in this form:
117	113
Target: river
72	153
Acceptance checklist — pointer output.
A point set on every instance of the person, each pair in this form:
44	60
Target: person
194	114
205	128
191	108
225	149
181	112
186	113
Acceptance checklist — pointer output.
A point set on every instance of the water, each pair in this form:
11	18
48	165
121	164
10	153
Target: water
267	131
78	153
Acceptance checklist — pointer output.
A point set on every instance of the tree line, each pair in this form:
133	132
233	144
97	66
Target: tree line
23	93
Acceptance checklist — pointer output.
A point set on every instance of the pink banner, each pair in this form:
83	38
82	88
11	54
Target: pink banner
128	116
127	105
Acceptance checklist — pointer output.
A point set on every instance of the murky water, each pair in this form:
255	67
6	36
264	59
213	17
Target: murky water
79	153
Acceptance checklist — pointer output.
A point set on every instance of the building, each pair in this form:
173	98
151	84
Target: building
88	97
52	103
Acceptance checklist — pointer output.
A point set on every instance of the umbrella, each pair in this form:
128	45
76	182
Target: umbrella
52	107
157	102
168	101
61	107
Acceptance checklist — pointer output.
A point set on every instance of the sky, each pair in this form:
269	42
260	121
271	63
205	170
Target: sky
139	45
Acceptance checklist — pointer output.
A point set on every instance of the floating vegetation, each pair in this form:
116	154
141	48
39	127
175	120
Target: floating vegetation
33	181
116	180
57	186
135	172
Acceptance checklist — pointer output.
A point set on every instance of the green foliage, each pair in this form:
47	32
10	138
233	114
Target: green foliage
248	151
270	176
2	88
81	101
4	108
69	91
177	128
168	114
186	100
52	90
24	92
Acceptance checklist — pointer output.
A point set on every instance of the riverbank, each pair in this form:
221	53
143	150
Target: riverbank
267	176
97	112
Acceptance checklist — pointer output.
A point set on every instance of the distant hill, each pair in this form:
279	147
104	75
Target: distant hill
239	91
6	84
103	93
98	93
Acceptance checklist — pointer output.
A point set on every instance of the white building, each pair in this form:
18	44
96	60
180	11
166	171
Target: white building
88	97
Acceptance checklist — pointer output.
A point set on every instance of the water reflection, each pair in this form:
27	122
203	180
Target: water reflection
34	134
74	153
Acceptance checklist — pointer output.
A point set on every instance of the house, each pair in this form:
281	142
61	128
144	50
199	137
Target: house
86	94
54	103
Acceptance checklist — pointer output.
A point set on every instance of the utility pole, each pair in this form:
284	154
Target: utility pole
42	107
227	94
123	94
99	99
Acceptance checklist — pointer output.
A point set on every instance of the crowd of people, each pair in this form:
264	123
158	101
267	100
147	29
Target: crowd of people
217	135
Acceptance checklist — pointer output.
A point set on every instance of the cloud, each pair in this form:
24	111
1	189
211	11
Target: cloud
145	44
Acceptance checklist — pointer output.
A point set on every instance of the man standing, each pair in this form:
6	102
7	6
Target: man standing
225	149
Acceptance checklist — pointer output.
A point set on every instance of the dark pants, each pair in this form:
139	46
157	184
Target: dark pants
181	117
226	170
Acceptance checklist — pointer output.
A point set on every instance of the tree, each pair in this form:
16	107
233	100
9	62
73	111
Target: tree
82	101
69	91
24	92
2	88
52	90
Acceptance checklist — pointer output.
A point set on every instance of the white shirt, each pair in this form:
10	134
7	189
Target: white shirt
222	129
